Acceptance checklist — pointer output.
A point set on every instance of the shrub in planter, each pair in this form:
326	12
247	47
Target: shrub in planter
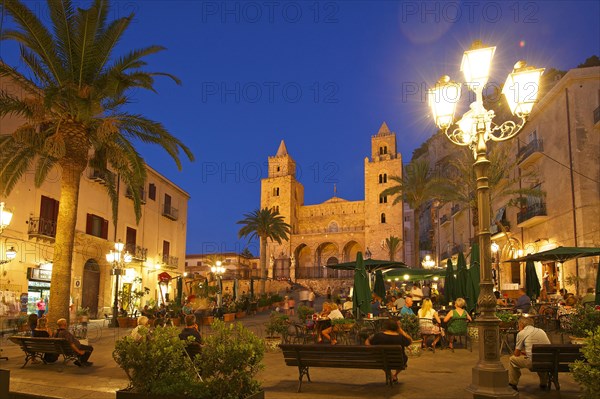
157	364
587	373
585	320
230	359
507	319
277	324
410	324
343	324
304	312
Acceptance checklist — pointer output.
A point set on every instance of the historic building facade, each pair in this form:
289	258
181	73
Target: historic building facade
156	243
561	145
335	230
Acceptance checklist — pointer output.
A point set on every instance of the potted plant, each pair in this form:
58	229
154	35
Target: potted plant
587	372
83	314
410	324
304	312
343	324
159	368
241	307
507	319
229	312
263	303
586	319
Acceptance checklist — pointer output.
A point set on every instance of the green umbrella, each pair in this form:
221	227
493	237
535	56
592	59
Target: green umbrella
473	281
559	254
361	294
532	283
379	288
449	282
598	286
414	274
462	276
178	299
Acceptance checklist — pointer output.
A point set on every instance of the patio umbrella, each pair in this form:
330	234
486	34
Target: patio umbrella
379	288
473	281
410	274
462	276
361	294
235	289
449	282
532	283
370	265
179	291
251	288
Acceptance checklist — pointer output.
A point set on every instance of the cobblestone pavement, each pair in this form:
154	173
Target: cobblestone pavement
442	374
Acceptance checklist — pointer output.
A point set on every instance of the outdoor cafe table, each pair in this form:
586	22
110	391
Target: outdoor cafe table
376	322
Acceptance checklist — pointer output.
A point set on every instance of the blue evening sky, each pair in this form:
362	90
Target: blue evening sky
323	76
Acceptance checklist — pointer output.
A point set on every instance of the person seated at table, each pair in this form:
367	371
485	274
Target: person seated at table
392	334
527	337
589	297
563	296
375	305
407	308
457	327
347	307
523	302
332	313
499	300
142	323
399	303
147	312
416	292
563	312
426	315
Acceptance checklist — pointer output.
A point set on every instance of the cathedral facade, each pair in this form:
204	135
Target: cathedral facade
334	231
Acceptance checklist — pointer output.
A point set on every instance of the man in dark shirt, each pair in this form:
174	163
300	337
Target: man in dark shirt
523	302
84	351
191	330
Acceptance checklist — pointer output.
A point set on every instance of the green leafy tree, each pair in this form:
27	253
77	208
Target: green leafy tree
392	245
264	224
72	102
415	187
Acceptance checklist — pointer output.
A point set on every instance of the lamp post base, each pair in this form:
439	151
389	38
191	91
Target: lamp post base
490	383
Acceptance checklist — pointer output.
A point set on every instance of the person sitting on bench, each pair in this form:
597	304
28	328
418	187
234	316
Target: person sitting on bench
527	337
84	351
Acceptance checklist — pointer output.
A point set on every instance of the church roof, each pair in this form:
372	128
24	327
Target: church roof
384	130
334	199
282	150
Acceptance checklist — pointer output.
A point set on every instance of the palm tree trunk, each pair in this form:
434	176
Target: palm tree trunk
263	265
65	236
416	240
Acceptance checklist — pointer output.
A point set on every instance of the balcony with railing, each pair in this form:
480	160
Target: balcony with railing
530	152
170	212
41	228
455	209
103	177
444	219
497	230
170	262
129	194
137	253
532	214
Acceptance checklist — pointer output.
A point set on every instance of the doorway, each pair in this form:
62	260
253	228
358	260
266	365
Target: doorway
91	287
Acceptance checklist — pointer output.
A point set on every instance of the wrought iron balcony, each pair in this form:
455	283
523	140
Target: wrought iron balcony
532	214
444	219
531	152
42	228
129	194
170	212
170	261
137	253
455	209
103	177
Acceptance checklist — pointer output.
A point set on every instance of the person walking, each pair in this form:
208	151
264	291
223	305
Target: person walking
41	307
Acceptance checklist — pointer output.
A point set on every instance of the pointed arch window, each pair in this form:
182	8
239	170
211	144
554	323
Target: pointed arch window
383	178
383	199
383	218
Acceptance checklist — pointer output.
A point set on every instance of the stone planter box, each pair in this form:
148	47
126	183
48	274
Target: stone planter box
123	322
229	317
240	315
414	349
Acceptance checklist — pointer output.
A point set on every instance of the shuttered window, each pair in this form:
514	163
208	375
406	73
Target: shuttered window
96	226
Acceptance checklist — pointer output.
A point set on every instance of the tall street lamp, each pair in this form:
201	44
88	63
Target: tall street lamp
118	259
218	271
475	129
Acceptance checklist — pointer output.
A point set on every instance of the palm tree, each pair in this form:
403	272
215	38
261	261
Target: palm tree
392	246
460	186
265	224
72	102
415	187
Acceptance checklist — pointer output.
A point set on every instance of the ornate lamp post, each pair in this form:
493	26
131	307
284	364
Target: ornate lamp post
118	259
218	271
475	129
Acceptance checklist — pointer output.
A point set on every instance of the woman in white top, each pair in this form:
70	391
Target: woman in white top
426	316
332	315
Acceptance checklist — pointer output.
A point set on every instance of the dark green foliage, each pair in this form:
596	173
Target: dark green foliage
410	324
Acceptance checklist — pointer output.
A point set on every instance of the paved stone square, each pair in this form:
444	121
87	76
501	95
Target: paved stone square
442	374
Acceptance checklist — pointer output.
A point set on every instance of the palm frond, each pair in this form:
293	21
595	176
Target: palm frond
63	15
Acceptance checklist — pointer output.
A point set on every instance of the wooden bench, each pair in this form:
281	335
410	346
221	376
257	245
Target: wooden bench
378	357
36	348
554	359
